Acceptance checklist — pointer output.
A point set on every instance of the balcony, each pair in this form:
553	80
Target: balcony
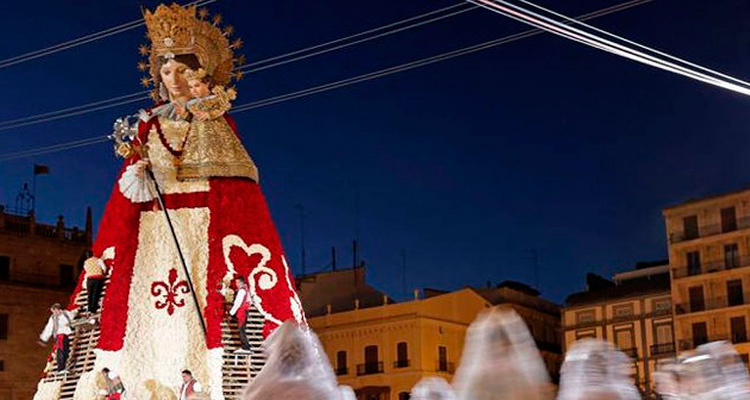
370	368
631	352
448	367
738	338
711	267
709	230
712	303
342	371
401	364
663	349
690	344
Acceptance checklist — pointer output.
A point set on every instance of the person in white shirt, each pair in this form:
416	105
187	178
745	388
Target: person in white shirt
58	327
190	387
240	308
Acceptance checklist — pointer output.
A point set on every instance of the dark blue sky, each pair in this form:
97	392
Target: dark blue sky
466	164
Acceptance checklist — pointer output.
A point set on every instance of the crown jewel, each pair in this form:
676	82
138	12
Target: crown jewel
171	29
176	30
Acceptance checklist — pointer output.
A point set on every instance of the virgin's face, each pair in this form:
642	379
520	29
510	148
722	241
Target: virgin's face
173	76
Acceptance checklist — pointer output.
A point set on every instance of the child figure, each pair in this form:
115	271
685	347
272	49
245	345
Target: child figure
225	156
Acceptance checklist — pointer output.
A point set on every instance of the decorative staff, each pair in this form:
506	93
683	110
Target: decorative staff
125	134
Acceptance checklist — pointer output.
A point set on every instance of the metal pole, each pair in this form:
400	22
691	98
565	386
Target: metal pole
33	192
301	209
179	249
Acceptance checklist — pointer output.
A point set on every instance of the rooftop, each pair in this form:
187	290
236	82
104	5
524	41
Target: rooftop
636	286
705	199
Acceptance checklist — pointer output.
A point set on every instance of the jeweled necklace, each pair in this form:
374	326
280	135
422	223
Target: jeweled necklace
176	153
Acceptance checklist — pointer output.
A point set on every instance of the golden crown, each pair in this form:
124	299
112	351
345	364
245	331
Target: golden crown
171	30
176	30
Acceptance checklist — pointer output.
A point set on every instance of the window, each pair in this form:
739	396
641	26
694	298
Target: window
663	333
624	338
739	330
690	226
402	355
371	354
663	306
700	334
694	263
731	256
341	368
372	364
584	317
4	268
404	396
697	303
734	292
66	275
442	358
728	219
3	326
623	311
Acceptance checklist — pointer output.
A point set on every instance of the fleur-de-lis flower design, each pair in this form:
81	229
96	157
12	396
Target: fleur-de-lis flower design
168	294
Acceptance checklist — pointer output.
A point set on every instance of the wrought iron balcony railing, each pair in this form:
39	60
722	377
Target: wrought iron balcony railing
711	267
448	367
712	303
663	349
370	368
710	230
342	371
401	363
689	344
631	352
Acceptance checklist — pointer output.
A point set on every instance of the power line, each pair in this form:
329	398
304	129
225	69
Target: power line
300	55
76	108
82	40
74	113
661	53
424	61
350	81
248	67
563	28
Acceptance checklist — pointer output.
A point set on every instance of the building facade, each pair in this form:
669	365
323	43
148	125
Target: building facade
38	266
542	317
382	349
633	311
709	255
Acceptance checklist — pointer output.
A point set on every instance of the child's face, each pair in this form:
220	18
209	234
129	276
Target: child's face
198	88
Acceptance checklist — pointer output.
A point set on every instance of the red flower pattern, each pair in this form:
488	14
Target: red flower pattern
168	294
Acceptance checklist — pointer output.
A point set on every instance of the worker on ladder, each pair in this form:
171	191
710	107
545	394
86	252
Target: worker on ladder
59	328
240	310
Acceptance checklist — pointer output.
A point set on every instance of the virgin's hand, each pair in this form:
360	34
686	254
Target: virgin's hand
140	167
181	111
201	115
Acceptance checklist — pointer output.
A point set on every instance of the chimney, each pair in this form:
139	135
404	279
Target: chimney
356	304
416	294
328	309
385	299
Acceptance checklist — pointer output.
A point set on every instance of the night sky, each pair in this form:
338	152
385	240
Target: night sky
465	166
